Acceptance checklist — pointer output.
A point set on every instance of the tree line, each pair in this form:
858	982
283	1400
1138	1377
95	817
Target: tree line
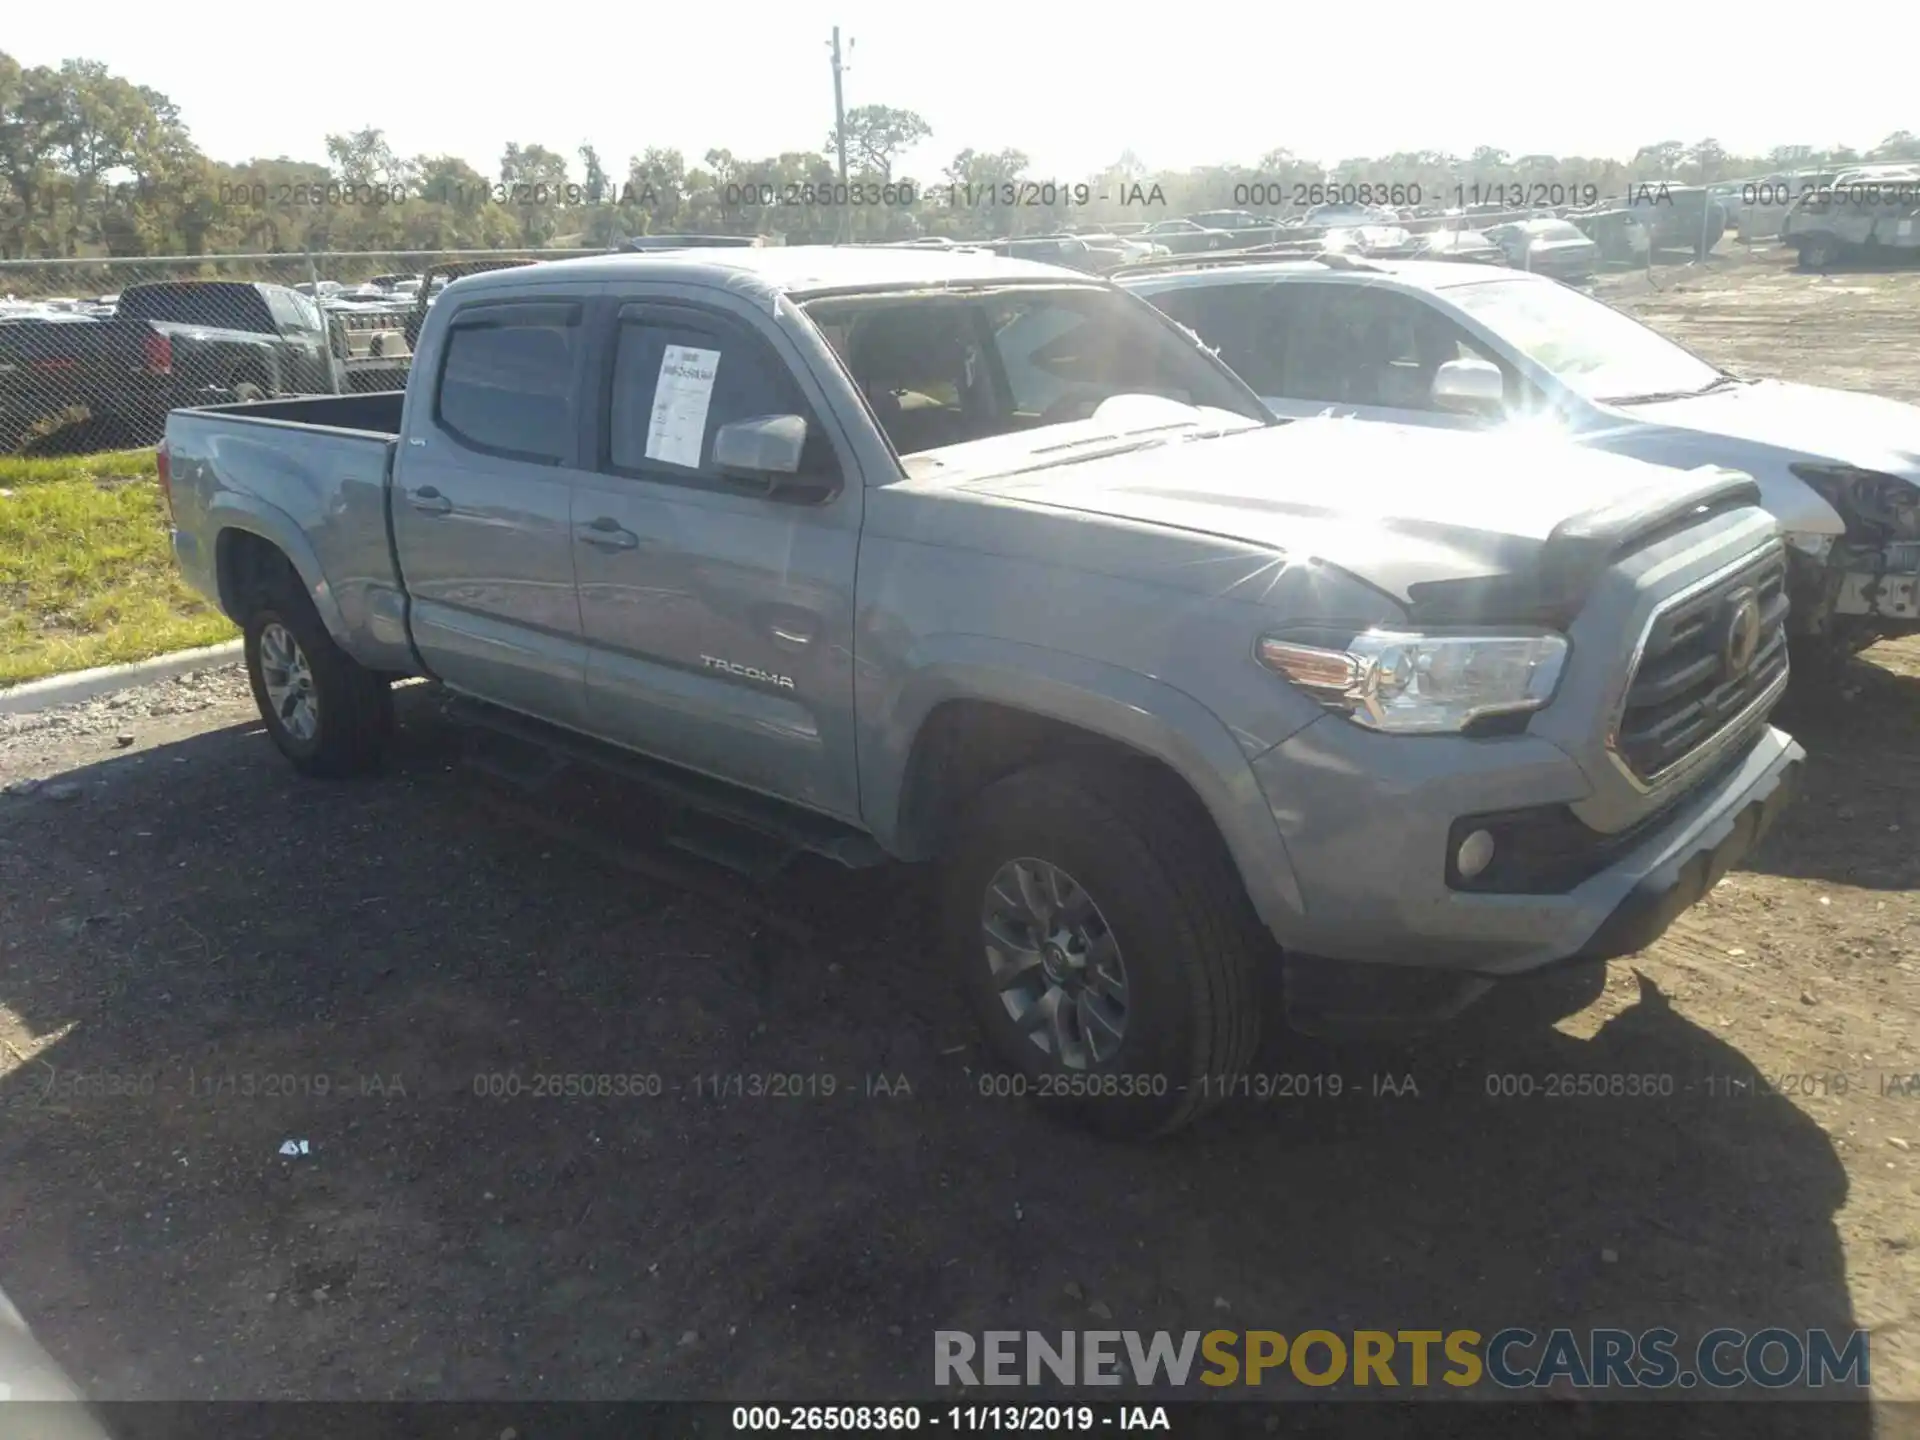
94	164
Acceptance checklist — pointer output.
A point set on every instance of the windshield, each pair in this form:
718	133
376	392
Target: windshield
1591	348
941	370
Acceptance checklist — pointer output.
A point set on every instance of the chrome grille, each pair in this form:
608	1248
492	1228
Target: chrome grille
1689	687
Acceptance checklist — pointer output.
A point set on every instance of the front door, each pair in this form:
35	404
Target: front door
483	505
718	620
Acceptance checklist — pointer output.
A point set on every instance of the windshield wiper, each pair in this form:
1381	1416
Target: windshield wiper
1655	396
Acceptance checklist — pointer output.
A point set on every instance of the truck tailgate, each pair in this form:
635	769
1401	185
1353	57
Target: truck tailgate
315	492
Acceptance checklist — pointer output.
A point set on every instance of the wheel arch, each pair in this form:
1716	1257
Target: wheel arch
982	709
253	542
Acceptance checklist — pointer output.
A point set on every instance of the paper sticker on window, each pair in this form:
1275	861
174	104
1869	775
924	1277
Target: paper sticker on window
680	400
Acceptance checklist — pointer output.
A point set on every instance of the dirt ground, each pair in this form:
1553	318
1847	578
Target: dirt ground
202	958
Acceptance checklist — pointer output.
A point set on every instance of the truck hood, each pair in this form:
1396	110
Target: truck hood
1450	524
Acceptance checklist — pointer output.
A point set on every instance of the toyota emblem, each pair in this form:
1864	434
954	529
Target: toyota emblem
1742	640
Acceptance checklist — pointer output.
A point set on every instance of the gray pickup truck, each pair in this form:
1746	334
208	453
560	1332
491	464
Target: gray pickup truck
934	555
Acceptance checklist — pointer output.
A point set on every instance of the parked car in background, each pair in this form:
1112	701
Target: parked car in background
1371	240
1344	216
941	556
1232	220
1877	219
1623	236
1069	250
1186	237
1457	245
1128	249
1458	347
694	242
1763	204
1547	247
1678	217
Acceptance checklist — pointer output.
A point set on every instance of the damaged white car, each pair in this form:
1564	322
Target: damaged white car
1432	343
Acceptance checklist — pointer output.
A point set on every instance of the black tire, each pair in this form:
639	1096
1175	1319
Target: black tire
353	706
1164	884
1818	254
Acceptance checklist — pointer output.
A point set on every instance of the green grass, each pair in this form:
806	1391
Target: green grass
19	470
86	574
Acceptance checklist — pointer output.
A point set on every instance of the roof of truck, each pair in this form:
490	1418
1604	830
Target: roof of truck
791	269
1409	274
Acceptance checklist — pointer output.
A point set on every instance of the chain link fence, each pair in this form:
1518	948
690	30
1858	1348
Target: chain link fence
95	352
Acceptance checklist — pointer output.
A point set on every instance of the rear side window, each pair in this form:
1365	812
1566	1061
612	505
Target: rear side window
507	381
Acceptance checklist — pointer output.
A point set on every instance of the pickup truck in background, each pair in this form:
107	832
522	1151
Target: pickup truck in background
934	555
167	344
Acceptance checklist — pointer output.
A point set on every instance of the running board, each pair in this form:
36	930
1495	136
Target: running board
774	828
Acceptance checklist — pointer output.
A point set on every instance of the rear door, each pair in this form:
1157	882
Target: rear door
718	620
483	501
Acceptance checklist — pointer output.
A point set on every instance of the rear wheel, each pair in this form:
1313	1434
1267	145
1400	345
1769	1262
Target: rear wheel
248	392
325	712
1103	938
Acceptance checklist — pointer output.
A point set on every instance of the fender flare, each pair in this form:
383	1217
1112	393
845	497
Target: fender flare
1128	708
234	511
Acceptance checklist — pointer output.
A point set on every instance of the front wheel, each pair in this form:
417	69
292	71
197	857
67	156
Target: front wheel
1818	254
1107	947
325	712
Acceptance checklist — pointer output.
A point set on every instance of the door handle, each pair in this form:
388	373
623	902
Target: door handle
607	533
429	501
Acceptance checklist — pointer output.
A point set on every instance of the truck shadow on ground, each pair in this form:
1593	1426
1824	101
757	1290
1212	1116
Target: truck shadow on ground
780	1163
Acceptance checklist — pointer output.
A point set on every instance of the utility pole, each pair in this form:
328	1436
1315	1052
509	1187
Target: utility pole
840	128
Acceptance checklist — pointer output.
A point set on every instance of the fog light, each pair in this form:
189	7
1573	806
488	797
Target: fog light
1474	855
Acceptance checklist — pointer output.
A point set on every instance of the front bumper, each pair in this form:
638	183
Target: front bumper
1366	820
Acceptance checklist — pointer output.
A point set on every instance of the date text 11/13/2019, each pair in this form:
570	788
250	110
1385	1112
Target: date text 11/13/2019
906	1419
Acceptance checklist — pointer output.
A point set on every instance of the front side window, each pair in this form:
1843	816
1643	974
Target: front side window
941	371
677	379
507	381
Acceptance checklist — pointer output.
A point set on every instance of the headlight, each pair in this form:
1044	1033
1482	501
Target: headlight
1406	683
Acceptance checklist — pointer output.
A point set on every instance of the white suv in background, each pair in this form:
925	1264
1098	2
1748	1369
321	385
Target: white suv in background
1458	346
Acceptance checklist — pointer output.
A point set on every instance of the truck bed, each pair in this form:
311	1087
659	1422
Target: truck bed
376	413
309	476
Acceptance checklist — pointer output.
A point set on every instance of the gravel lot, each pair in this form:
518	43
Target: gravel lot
202	957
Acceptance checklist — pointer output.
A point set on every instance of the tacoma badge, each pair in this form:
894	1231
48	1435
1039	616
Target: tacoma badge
785	682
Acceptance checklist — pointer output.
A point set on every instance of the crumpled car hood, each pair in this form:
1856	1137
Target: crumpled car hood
1869	431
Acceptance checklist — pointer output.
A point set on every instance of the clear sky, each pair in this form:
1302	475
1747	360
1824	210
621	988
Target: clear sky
1072	85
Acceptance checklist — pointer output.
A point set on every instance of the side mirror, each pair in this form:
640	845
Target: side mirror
766	450
1470	386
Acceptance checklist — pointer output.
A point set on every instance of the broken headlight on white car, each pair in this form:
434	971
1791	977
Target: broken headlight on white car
1867	498
1424	683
